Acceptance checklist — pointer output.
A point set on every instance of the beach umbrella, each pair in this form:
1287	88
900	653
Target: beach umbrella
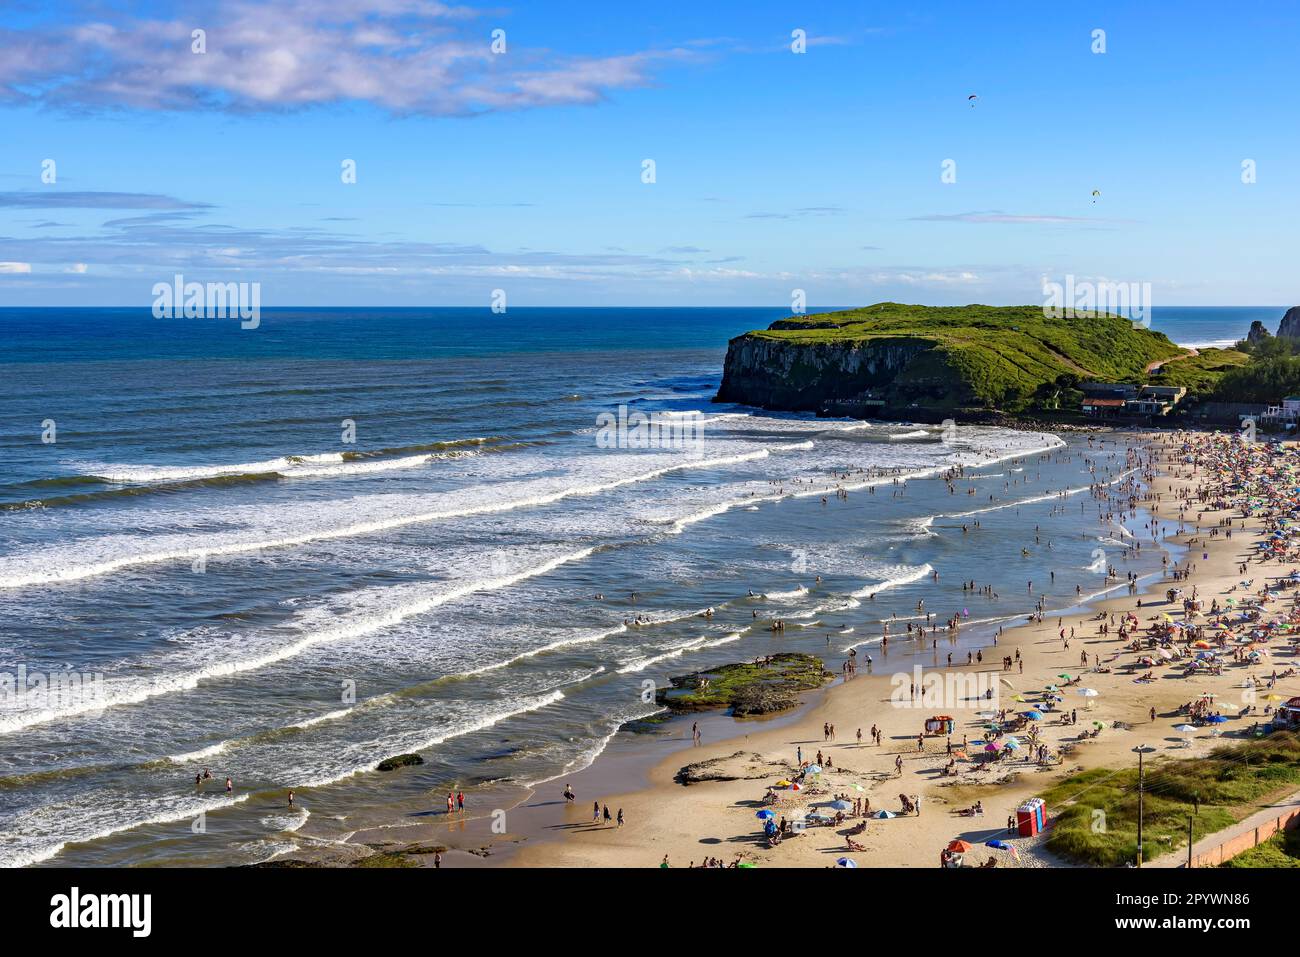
1216	719
765	814
846	862
1064	677
1011	744
746	864
1000	845
782	784
1018	697
960	847
883	815
1033	715
813	769
1185	728
858	787
841	805
1272	697
1089	692
991	747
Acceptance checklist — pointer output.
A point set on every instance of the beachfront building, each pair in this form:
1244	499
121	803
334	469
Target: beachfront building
1155	400
1102	408
1107	399
1286	414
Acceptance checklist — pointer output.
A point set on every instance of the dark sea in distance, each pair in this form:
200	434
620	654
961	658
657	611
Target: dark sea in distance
350	533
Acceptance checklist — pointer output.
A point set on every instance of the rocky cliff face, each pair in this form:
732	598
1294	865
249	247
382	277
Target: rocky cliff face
1258	333
1290	327
798	376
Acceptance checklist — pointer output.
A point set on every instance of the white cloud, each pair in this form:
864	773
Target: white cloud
406	56
14	268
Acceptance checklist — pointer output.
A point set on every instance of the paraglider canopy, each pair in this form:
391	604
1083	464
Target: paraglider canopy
971	99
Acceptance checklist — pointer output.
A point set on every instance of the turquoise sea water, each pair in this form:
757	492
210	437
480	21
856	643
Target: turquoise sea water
295	550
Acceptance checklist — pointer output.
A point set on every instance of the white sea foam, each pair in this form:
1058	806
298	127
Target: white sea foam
905	576
27	577
793	595
37	827
134	691
441	737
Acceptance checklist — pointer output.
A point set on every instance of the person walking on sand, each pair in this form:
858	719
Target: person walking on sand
595	812
898	765
620	818
607	815
437	860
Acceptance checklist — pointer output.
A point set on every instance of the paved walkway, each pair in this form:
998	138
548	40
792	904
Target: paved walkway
1207	844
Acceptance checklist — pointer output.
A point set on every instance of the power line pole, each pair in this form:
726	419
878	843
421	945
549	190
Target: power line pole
1189	841
1141	783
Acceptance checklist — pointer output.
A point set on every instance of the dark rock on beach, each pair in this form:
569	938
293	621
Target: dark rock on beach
767	686
1258	332
398	761
739	766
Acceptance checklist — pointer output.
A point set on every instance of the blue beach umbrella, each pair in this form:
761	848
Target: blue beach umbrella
1000	845
841	805
1033	715
846	862
1216	719
765	815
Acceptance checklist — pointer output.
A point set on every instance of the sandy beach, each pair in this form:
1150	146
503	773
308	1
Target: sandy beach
687	824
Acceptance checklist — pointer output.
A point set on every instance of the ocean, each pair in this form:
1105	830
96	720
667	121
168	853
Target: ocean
284	554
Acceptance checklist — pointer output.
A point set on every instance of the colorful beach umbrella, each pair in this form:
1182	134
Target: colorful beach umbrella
846	862
960	847
765	814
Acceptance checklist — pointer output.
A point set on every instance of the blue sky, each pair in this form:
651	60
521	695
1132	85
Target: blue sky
774	170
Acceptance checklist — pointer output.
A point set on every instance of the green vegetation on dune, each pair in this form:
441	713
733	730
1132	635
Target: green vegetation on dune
1228	784
1263	380
1005	357
1280	850
1201	374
